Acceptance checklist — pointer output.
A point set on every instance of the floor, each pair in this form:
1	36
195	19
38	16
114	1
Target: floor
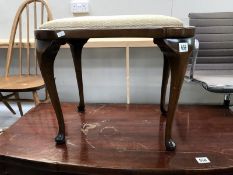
7	118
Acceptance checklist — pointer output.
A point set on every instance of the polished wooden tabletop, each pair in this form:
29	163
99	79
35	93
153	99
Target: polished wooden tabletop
119	139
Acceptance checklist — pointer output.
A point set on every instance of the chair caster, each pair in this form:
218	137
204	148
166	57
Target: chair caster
81	108
170	145
60	139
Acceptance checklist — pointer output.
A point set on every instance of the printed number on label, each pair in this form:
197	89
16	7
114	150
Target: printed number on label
183	47
202	160
60	34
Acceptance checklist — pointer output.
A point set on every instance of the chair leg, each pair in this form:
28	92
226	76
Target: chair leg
36	98
166	72
46	52
76	50
178	60
6	103
18	103
47	98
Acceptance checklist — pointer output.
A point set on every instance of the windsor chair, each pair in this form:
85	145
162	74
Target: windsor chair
21	71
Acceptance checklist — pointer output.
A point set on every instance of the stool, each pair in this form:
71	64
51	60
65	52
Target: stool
174	40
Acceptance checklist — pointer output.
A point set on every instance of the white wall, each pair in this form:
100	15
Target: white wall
103	69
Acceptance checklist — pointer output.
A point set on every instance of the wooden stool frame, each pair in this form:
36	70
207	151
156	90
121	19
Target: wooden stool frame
168	39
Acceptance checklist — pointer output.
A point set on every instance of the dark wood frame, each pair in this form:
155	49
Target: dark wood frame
167	39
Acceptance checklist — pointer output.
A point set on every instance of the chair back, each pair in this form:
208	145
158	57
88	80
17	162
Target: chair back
30	15
215	34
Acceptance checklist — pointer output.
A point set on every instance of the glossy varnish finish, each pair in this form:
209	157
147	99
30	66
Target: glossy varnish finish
119	139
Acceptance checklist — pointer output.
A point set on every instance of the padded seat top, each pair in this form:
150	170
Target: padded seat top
215	80
113	22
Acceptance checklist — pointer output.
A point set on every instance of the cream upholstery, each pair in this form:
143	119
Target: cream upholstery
113	22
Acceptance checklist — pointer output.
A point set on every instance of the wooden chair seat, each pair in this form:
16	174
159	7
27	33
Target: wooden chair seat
21	83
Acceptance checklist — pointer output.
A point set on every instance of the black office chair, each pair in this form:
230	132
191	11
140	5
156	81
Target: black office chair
212	62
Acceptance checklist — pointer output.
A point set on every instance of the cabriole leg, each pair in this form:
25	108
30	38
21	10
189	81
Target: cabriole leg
166	72
46	54
177	52
76	47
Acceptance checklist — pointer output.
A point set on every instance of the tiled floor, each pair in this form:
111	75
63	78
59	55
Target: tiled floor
7	118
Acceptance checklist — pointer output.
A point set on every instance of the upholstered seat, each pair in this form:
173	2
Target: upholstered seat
113	22
215	81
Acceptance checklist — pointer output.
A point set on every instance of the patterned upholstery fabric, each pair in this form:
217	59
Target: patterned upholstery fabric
113	22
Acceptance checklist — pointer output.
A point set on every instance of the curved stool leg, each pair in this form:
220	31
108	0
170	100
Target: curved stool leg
46	53
76	50
166	72
177	52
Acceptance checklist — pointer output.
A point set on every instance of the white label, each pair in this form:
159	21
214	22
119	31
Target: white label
60	34
202	160
183	47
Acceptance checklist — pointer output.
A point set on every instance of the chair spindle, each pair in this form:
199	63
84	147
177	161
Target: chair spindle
35	27
42	14
28	41
20	45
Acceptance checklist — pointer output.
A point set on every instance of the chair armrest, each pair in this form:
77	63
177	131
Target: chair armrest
193	61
